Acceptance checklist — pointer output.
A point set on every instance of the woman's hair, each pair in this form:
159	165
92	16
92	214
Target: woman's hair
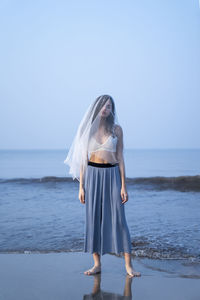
109	121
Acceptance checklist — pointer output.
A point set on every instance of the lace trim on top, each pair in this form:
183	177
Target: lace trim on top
108	145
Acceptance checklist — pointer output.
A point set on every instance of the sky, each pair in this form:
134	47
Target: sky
56	57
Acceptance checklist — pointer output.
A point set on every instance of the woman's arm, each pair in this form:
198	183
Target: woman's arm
120	158
82	174
81	184
119	154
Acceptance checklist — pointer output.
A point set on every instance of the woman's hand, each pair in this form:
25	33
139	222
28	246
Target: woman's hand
124	194
81	195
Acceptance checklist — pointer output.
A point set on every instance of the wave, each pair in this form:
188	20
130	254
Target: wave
45	179
180	183
168	253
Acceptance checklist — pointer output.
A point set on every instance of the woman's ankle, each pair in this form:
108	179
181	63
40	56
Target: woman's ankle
129	265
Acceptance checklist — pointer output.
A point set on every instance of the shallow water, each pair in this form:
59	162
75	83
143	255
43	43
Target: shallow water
40	209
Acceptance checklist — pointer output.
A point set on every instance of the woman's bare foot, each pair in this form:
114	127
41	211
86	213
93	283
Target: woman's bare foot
131	271
93	270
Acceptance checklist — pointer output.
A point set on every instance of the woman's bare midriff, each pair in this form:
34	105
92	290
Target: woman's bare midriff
96	159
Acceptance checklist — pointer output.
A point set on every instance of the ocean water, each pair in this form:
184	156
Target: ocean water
40	209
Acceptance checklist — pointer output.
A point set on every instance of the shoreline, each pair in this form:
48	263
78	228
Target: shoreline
60	276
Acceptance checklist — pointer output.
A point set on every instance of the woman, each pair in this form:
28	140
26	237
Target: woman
96	160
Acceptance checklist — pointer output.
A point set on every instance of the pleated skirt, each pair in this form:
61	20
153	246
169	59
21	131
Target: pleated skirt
106	229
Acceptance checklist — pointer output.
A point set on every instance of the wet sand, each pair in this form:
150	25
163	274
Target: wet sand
60	276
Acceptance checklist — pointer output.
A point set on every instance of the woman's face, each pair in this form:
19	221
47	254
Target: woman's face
106	109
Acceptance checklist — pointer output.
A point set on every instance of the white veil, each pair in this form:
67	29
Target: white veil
91	125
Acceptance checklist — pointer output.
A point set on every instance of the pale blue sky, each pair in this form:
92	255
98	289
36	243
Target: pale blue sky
56	57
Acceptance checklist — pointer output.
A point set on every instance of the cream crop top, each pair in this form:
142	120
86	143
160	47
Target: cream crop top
109	145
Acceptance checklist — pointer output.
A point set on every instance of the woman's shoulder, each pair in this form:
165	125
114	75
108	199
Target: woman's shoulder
118	130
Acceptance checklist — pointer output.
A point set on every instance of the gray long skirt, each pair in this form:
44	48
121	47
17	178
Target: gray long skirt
106	229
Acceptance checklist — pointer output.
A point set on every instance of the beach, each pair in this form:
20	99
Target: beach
61	109
60	276
42	229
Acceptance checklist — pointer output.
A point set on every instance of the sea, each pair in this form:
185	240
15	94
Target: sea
40	210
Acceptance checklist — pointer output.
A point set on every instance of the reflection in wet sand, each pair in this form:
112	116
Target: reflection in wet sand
97	293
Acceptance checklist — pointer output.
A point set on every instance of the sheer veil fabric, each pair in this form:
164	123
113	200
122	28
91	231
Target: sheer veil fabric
97	133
